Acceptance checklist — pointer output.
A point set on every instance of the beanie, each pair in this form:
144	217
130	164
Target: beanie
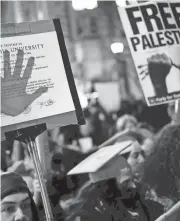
12	183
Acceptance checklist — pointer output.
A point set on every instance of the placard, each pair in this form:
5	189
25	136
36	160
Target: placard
153	33
37	84
97	160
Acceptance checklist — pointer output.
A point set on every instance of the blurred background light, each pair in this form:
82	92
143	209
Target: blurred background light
83	99
80	5
117	47
40	15
121	3
90	4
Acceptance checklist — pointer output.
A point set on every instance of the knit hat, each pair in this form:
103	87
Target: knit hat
12	183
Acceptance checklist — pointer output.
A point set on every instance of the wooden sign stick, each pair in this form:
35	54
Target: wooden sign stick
28	135
170	215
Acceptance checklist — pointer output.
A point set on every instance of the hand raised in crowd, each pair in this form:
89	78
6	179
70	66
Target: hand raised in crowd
37	190
158	64
14	98
36	186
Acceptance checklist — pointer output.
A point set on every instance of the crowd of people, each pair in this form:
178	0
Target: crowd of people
149	187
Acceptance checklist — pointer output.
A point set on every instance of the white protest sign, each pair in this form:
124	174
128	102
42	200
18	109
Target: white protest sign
98	159
45	73
153	34
37	84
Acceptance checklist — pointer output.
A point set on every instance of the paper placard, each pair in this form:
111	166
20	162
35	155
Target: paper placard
98	159
117	166
44	41
153	33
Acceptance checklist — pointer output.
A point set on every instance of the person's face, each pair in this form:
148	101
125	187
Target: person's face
16	207
130	125
127	187
148	147
136	158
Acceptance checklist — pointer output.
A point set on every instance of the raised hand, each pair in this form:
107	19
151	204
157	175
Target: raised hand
14	99
160	62
158	67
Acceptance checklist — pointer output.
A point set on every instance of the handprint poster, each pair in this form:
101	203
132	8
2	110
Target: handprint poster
37	84
153	33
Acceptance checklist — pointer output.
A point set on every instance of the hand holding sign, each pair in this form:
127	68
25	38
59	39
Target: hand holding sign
14	98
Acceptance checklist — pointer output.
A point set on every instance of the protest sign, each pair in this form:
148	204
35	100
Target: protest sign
37	84
153	34
98	159
108	95
105	163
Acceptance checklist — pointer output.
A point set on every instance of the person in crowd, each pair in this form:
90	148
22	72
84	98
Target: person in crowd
137	154
141	148
113	199
126	108
21	168
147	141
162	170
171	112
156	116
135	157
148	147
17	203
126	122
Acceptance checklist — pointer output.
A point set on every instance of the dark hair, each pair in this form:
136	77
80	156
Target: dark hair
34	209
162	169
89	192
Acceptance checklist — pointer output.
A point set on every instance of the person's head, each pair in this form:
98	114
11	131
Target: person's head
125	184
134	154
126	122
148	147
16	200
162	169
57	164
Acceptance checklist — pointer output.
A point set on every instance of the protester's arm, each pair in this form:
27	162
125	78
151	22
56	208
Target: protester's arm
160	63
37	192
176	65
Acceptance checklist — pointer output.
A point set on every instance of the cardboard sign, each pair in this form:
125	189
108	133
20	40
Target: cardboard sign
100	158
153	34
109	95
37	84
117	166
